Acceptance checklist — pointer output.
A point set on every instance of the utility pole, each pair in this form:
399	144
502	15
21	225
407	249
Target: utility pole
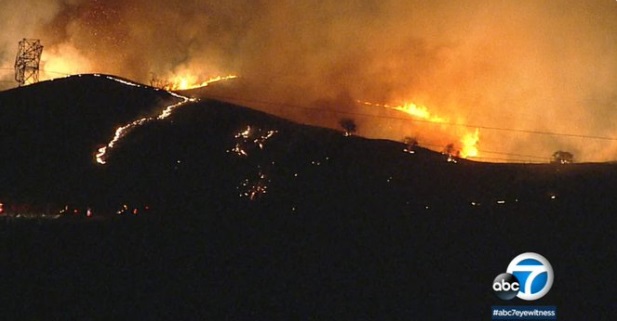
27	61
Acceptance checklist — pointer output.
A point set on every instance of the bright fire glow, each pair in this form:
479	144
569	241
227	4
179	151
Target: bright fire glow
418	111
186	82
468	141
63	60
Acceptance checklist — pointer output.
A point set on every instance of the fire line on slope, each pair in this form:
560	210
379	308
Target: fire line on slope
103	153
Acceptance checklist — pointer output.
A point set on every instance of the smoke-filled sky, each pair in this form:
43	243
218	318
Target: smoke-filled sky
548	65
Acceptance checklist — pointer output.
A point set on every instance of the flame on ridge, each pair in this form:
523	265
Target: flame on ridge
102	153
177	83
468	142
186	82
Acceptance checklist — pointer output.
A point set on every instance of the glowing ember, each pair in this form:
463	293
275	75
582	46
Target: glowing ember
255	187
249	138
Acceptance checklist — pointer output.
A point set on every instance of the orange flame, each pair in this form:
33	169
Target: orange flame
468	141
63	60
102	153
187	82
419	112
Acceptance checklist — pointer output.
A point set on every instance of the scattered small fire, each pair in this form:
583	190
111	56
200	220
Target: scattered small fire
468	142
179	83
249	138
254	188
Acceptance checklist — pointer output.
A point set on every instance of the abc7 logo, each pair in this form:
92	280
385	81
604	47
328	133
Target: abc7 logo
529	277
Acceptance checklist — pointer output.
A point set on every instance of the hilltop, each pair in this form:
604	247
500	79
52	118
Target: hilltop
53	129
262	216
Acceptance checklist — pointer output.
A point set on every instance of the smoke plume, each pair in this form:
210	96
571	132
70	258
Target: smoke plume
541	66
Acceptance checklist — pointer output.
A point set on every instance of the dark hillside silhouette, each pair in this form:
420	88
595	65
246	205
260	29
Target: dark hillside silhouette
255	217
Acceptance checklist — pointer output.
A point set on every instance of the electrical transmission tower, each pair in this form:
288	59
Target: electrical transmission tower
27	61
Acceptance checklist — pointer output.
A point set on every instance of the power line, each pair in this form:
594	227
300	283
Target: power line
527	131
513	154
409	118
43	70
522	158
506	160
55	72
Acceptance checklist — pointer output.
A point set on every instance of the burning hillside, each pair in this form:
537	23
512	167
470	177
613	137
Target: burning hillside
465	147
497	68
186	82
250	191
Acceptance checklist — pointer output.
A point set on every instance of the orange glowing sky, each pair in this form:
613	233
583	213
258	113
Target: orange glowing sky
517	69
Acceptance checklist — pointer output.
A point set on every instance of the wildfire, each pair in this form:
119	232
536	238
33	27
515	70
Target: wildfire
179	83
250	138
63	60
254	188
186	82
418	111
102	153
468	141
